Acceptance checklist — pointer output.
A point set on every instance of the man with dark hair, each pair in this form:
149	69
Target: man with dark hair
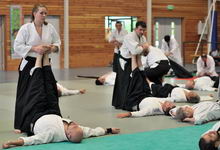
139	97
171	49
210	140
199	113
205	66
106	79
134	44
116	38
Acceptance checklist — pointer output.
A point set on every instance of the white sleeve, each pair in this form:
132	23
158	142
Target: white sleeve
66	92
55	38
148	111
89	132
212	65
163	46
199	65
175	46
41	138
111	36
20	46
207	88
132	45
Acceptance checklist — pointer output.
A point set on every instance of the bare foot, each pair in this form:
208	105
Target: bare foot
82	91
17	131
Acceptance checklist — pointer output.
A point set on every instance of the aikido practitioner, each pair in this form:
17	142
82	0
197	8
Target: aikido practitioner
205	66
36	37
210	140
63	91
106	79
41	116
204	83
199	113
116	38
156	64
177	94
134	44
139	99
171	49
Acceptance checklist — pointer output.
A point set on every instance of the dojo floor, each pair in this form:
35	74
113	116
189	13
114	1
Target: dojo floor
90	109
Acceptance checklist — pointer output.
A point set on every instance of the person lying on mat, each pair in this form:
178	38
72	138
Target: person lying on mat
199	113
106	79
149	106
41	117
203	83
139	98
63	91
210	140
177	94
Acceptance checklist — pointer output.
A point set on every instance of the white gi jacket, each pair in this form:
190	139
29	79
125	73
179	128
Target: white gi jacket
154	56
50	128
119	36
204	84
149	106
110	79
174	48
210	66
28	36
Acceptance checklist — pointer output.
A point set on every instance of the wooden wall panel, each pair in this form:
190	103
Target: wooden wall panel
55	7
87	34
190	12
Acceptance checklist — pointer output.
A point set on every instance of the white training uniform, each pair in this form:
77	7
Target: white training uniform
201	69
153	58
178	94
131	46
50	129
203	112
28	36
174	49
119	36
110	79
149	106
204	84
67	92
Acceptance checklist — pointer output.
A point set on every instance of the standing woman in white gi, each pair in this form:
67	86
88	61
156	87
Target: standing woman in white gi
171	49
116	38
34	38
134	44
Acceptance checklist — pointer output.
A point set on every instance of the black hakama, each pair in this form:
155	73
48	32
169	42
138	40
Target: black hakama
162	91
121	84
138	89
115	62
42	98
156	74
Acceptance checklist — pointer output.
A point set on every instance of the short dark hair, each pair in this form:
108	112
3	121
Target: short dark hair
167	38
194	99
204	55
118	22
203	145
167	112
97	82
141	23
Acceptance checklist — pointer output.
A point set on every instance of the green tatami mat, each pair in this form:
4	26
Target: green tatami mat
184	138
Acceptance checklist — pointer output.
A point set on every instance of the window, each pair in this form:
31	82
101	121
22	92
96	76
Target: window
128	22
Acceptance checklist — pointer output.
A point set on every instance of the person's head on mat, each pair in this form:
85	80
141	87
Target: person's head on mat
167	106
192	97
184	112
100	81
190	84
140	28
210	141
74	133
